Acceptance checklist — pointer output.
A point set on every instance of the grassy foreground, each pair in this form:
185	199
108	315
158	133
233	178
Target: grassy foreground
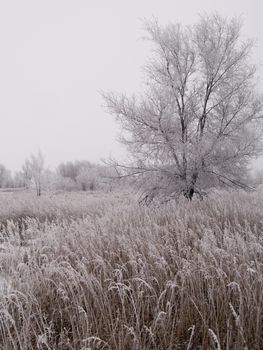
88	272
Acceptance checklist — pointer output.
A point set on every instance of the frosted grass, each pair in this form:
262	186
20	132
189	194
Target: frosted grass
104	273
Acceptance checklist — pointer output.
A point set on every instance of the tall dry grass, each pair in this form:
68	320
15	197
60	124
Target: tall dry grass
109	274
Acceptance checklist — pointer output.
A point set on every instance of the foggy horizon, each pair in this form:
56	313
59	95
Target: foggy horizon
58	56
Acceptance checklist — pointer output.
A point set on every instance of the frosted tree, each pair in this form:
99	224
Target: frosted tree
5	177
199	122
33	170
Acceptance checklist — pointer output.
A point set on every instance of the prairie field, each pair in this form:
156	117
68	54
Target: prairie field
84	271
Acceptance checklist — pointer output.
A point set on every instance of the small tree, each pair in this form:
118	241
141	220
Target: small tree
198	123
34	170
19	179
5	177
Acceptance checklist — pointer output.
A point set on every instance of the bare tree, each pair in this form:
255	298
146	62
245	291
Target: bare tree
34	170
198	124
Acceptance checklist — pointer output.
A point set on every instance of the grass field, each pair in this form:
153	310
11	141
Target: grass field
97	271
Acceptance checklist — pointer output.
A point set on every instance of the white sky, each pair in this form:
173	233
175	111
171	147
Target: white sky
56	55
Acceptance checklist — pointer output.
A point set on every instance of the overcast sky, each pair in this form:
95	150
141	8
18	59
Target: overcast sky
56	55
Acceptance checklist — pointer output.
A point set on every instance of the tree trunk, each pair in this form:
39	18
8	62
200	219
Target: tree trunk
38	191
190	190
189	193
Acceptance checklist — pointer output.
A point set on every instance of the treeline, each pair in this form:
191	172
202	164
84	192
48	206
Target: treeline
76	176
68	176
85	176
